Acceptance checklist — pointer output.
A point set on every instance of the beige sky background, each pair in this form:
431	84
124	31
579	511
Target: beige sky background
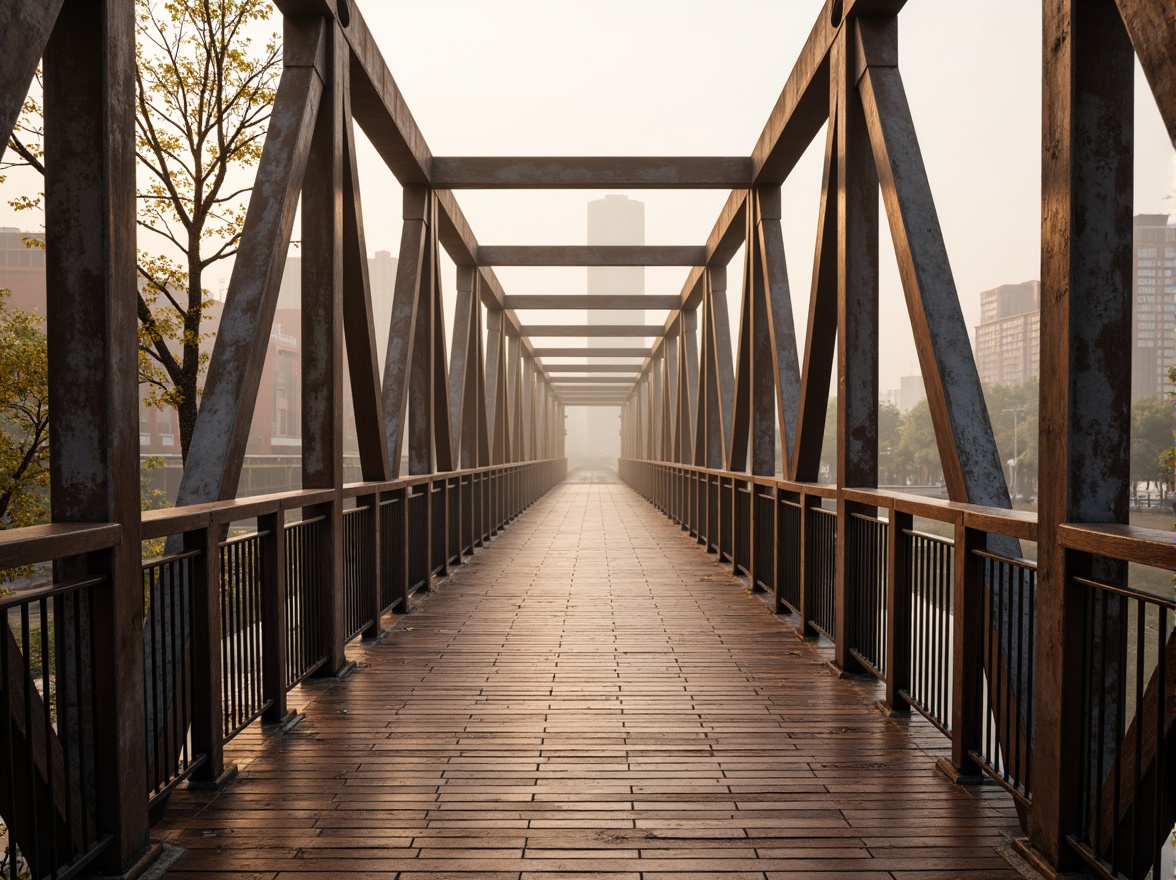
700	78
685	77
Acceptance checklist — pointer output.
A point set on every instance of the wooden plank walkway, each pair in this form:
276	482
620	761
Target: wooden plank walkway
591	697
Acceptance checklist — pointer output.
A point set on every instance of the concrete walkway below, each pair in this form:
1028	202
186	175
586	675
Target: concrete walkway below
591	696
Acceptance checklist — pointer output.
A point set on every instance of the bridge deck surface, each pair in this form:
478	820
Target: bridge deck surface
591	696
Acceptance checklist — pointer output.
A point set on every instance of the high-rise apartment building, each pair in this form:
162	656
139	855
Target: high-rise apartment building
613	220
1153	311
616	220
22	270
1008	337
275	442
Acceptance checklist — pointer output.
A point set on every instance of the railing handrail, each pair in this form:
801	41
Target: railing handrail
32	545
169	521
1020	524
28	597
1151	547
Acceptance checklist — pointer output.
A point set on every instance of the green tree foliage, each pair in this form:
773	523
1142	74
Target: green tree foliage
1012	410
917	453
829	445
204	95
24	418
24	423
890	467
1151	439
890	420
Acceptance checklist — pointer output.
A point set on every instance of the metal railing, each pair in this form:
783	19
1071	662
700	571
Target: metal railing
930	566
949	625
865	572
1128	662
167	678
358	570
50	747
303	599
241	577
1004	667
228	633
821	570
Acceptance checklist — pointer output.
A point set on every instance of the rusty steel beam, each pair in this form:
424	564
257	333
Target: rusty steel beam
459	242
857	325
971	464
421	390
601	381
92	336
785	360
635	352
590	255
594	172
1152	27
378	105
821	336
462	360
590	368
590	330
414	240
612	302
322	334
359	323
234	371
25	26
1085	406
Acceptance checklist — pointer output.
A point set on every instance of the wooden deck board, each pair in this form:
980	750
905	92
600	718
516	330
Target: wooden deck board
591	696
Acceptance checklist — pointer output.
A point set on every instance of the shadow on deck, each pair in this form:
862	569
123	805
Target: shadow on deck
591	696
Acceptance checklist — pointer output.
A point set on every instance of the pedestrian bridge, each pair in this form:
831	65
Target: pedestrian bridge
472	661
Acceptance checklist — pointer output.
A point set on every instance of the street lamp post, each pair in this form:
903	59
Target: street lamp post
1016	411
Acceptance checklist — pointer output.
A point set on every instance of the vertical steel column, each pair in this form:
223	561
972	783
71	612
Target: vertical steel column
857	320
92	330
273	617
322	331
1086	235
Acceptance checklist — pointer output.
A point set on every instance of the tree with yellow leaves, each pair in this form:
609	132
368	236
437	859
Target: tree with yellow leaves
205	90
24	421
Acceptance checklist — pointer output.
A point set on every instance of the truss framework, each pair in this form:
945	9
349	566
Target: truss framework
756	408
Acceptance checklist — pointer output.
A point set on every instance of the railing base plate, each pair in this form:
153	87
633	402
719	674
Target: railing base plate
945	767
1036	862
890	712
226	776
154	860
838	672
285	723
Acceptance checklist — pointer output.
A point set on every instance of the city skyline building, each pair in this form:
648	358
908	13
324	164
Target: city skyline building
275	444
1008	337
594	434
1153	310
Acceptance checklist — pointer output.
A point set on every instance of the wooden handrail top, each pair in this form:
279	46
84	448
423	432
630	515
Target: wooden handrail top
45	543
1020	524
178	520
1152	547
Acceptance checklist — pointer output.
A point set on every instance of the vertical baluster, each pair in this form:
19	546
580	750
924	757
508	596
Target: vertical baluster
206	658
1161	795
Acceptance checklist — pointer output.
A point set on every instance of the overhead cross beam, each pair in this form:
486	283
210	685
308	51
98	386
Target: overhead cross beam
605	301
595	172
592	352
591	368
591	255
577	330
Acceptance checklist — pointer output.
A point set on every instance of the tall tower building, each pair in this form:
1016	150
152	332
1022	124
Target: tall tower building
1008	337
1153	311
616	220
595	434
